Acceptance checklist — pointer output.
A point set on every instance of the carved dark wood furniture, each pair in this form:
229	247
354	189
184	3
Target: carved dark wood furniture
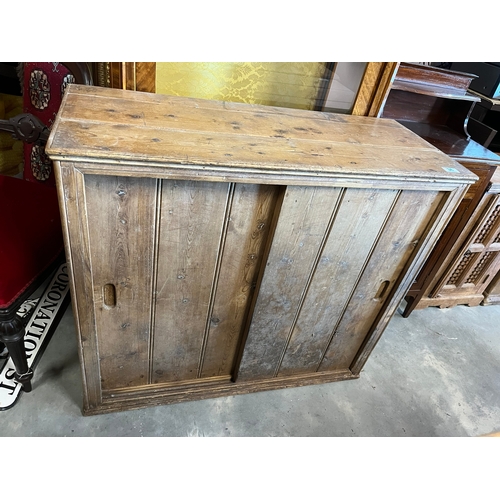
474	259
31	243
220	248
436	105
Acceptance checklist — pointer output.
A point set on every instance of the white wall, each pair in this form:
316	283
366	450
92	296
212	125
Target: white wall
344	86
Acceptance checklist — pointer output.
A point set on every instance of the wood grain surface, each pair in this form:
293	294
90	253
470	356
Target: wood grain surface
247	233
192	224
121	236
374	88
403	229
355	230
299	236
111	124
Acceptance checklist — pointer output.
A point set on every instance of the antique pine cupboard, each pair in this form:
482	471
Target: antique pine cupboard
220	248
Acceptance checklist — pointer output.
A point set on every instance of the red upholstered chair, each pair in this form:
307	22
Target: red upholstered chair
31	243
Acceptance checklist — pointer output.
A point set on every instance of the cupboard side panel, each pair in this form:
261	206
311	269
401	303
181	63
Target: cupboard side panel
71	190
302	226
121	221
247	231
192	222
357	225
402	233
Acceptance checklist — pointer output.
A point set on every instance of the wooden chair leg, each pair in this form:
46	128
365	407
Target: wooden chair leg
12	335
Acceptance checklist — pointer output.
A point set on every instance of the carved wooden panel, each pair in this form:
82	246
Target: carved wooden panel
478	264
475	263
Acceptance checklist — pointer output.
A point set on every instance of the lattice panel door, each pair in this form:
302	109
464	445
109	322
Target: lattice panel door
479	261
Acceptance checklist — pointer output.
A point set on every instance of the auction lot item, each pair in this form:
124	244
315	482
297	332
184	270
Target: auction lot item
222	248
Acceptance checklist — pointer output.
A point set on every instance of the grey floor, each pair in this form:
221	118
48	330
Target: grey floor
436	373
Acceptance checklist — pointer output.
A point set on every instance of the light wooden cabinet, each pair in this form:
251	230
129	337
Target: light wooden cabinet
221	248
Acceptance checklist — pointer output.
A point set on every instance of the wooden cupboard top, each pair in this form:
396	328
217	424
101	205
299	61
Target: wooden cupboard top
225	140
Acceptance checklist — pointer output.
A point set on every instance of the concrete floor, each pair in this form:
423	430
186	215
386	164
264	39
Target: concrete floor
436	373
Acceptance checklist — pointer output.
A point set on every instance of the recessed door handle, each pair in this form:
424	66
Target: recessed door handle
109	295
382	289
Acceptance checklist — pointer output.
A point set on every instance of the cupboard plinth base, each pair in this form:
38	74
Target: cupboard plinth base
147	396
450	301
492	300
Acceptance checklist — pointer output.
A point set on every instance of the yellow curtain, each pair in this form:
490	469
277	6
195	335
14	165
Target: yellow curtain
294	85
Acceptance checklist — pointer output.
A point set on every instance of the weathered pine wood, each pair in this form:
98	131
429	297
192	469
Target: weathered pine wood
203	270
204	295
142	397
305	217
402	232
334	149
74	224
123	210
357	225
190	242
436	224
248	228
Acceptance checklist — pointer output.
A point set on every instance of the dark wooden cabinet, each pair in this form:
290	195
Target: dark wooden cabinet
219	248
436	105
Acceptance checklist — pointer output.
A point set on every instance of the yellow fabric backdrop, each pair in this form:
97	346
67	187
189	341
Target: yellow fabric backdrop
294	85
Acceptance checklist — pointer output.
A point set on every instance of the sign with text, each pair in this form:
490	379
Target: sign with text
37	335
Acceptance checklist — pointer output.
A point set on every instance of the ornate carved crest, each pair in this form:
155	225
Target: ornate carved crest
41	166
39	87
